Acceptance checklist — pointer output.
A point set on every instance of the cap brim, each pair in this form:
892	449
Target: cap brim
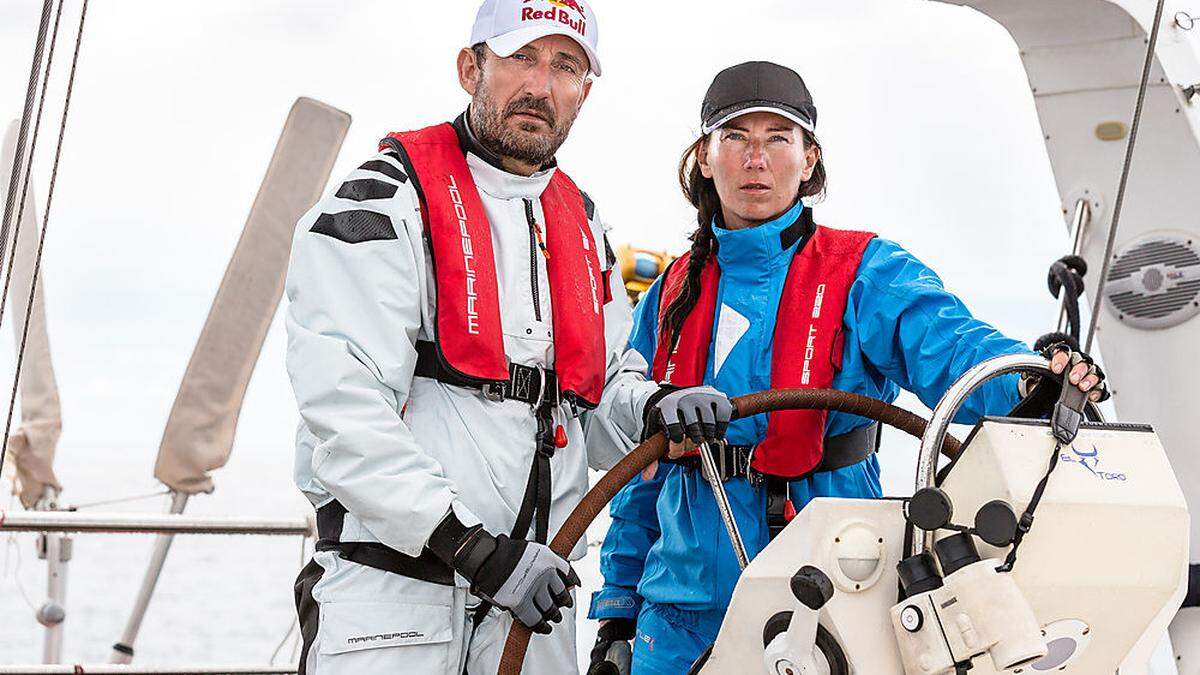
734	114
505	45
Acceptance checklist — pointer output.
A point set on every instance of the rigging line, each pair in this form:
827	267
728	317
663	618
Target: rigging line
37	127
1133	132
119	500
23	131
37	263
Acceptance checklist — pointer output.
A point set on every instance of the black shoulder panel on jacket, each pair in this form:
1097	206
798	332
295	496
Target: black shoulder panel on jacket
386	168
355	227
365	189
589	206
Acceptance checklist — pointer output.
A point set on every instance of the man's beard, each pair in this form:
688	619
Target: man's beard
528	146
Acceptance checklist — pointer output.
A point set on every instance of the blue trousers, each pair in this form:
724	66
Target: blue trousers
669	639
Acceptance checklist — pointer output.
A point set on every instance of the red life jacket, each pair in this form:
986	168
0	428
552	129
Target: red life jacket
468	332
807	349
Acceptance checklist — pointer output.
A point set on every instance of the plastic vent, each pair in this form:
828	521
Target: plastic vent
1154	281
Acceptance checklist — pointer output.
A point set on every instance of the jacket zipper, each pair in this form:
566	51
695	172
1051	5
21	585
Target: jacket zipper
534	243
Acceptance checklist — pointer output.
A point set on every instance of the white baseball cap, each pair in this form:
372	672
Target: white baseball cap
508	25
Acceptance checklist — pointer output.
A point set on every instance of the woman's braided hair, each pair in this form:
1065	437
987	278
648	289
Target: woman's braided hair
701	193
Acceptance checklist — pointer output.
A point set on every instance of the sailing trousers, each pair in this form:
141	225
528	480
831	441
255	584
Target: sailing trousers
357	620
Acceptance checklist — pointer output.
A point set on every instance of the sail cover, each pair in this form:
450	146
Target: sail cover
199	433
31	446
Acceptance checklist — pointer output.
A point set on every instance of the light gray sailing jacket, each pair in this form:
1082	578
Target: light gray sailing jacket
399	451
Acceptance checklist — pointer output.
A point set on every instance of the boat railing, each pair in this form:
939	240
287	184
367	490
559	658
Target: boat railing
128	523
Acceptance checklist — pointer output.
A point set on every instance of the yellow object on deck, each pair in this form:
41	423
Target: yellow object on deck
640	267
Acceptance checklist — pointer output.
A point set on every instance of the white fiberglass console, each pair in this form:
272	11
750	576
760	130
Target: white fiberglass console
1096	580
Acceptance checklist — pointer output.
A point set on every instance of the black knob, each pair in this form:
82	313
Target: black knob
811	587
956	552
918	574
996	523
930	509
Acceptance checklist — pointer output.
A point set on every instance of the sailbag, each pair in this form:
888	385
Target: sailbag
31	446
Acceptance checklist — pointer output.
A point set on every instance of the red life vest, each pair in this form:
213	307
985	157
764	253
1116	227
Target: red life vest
807	349
468	332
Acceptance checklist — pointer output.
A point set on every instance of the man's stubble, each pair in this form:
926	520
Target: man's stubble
488	122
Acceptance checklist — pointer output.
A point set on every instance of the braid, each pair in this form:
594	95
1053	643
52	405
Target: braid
703	243
701	192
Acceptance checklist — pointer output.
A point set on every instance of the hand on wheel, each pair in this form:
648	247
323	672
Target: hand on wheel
1083	373
689	417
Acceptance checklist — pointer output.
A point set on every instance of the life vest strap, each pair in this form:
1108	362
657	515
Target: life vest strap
528	384
841	451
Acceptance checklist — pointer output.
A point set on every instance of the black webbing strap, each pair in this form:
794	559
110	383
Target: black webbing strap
527	384
535	505
777	499
425	567
536	502
1026	523
840	451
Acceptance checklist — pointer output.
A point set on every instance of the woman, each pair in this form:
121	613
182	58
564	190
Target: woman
767	299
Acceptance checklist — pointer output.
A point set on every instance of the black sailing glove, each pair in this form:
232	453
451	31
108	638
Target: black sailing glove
524	577
613	631
699	413
1040	393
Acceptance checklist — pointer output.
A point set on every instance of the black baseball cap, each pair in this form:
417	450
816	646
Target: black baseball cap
757	86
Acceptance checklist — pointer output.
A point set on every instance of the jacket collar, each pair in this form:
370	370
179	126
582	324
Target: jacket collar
490	177
768	245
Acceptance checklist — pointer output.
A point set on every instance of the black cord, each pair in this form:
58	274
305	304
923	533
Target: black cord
18	155
37	128
1025	524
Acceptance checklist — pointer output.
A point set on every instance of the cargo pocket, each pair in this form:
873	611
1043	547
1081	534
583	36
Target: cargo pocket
358	626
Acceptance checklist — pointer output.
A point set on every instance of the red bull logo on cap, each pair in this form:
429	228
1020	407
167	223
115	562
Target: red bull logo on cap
559	13
569	4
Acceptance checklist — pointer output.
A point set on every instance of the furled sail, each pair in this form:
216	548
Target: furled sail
199	433
31	446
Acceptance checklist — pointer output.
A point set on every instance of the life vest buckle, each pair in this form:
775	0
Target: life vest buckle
493	391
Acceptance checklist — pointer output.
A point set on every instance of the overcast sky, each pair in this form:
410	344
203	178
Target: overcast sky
930	136
929	129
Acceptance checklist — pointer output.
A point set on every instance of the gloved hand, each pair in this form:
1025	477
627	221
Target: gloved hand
1040	393
604	659
524	577
1078	369
700	414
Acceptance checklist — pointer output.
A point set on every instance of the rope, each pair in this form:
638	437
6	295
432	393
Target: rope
37	129
11	546
119	500
1133	132
34	69
37	262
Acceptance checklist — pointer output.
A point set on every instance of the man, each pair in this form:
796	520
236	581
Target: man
441	437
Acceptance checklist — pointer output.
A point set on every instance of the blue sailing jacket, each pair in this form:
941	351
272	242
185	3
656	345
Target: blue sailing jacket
667	544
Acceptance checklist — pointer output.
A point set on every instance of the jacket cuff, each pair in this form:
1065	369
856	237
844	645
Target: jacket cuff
650	425
614	602
456	528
